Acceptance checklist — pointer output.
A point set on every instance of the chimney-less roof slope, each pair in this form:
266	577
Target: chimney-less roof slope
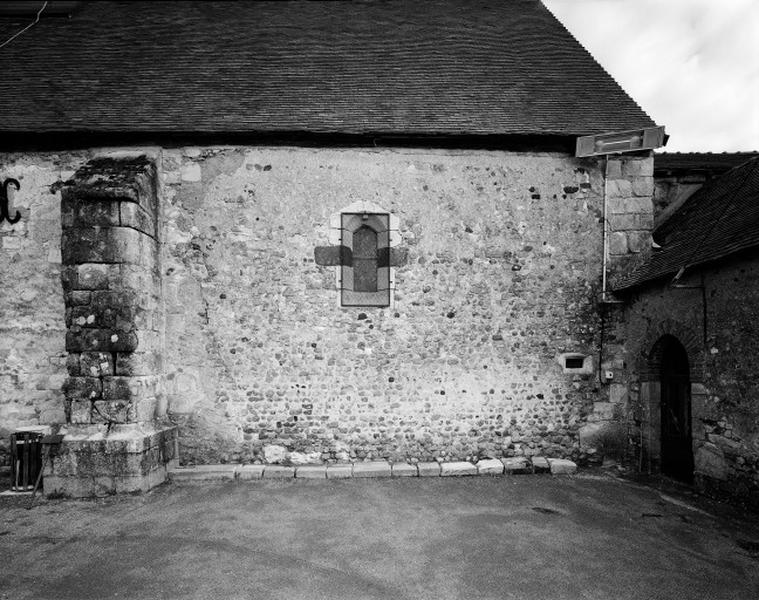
718	220
438	67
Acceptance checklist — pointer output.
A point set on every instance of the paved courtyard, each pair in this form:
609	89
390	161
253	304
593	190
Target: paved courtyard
535	536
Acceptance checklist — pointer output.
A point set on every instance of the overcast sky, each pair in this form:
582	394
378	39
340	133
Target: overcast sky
692	65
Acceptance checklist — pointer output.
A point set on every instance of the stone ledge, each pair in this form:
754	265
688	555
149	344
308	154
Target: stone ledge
486	467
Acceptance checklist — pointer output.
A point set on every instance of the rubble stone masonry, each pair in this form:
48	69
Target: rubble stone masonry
713	313
502	277
191	291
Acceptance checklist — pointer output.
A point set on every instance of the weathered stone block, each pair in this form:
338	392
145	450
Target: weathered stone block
637	167
144	409
635	204
278	472
643	186
78	298
638	241
619	188
89	276
111	411
77	212
274	453
135	216
404	470
204	473
104	178
428	469
457	469
108	245
100	340
617	243
250	472
79	412
311	472
709	460
540	464
490	466
516	465
371	469
631	221
561	466
339	471
96	364
82	388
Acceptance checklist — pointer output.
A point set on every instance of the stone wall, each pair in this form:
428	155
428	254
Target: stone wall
32	328
502	277
717	325
230	327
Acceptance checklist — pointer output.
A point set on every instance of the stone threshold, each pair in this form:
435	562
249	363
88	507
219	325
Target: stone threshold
373	469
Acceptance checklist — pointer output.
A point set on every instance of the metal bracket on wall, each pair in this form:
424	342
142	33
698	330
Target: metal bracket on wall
4	201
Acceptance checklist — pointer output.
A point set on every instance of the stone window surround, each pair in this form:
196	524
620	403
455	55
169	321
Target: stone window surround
337	237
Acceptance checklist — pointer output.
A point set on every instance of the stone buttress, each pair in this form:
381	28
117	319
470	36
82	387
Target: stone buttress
115	438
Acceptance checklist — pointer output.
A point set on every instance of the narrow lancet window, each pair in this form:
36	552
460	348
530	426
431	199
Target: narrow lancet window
365	260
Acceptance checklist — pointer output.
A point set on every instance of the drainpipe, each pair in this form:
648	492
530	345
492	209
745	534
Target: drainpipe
605	228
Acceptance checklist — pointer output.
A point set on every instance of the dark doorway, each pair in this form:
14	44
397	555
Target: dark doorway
676	438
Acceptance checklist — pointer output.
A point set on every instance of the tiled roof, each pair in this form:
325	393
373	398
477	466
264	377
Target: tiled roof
442	67
720	219
702	162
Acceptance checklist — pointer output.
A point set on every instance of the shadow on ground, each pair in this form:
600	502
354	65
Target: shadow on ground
589	536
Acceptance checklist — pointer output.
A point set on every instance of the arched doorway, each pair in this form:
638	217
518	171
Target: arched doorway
675	404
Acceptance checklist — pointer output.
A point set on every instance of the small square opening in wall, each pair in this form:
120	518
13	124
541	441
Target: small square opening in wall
575	363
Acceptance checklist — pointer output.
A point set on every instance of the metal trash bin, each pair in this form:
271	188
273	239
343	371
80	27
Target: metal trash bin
26	459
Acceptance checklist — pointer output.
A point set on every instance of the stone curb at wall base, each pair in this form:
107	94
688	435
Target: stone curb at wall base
487	467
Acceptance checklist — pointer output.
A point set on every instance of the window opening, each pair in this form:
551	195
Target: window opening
365	261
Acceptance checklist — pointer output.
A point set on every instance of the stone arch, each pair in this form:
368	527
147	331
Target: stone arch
649	365
650	356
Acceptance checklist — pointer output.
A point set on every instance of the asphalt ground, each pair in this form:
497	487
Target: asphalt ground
522	537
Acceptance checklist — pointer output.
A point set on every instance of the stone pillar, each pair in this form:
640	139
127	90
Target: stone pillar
115	438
